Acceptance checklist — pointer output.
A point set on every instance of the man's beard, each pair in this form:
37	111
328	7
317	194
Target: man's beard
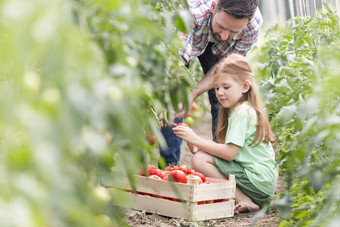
216	36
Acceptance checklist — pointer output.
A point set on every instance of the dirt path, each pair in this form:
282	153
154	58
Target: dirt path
136	218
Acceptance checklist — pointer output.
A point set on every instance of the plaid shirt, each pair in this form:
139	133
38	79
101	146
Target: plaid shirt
197	40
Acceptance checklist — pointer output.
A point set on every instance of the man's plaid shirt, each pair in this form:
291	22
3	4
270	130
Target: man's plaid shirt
197	40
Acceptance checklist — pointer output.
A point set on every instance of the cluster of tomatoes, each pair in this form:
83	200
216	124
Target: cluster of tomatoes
179	174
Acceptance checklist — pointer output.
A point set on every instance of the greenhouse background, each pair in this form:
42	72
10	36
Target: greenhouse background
278	11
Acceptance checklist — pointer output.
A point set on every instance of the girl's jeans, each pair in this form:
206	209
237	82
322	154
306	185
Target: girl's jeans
172	154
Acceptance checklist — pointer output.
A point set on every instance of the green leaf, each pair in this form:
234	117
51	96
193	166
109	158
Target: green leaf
180	24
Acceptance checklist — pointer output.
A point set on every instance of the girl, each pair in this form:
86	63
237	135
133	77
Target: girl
244	137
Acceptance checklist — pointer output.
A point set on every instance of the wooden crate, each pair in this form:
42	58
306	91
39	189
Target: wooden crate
156	196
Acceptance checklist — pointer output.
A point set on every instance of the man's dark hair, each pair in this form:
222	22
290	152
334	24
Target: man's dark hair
238	8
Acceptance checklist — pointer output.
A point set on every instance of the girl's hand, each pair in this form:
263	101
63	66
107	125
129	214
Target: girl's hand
193	149
185	133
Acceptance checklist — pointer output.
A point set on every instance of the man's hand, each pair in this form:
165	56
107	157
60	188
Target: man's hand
183	112
163	121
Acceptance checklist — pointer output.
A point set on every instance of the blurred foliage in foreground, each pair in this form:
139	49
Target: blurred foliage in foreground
77	81
298	66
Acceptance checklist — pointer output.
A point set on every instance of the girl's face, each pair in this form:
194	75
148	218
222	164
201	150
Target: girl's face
229	91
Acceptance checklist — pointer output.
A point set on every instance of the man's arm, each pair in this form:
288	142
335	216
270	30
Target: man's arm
205	84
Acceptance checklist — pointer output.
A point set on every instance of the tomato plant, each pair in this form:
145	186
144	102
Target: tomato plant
296	69
77	83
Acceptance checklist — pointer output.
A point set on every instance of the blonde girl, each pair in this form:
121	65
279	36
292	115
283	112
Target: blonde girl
244	137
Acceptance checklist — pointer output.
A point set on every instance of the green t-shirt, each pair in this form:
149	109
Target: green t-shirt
259	161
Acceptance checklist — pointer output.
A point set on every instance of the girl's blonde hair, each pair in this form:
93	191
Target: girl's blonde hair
236	66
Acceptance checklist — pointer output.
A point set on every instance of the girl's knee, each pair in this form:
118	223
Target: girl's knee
198	160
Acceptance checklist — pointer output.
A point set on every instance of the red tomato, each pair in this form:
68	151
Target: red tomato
183	124
192	171
192	176
158	172
166	177
162	174
184	168
177	176
194	106
201	175
152	170
151	139
200	202
154	177
169	168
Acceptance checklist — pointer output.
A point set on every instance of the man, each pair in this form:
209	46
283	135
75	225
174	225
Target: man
221	27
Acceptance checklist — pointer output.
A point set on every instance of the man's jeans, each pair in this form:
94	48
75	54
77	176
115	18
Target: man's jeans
173	153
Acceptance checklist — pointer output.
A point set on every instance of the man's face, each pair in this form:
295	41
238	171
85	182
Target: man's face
224	26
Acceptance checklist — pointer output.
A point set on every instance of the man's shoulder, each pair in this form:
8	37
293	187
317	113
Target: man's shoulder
253	27
195	3
257	17
200	9
256	22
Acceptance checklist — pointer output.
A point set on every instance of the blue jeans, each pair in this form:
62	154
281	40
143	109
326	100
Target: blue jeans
173	153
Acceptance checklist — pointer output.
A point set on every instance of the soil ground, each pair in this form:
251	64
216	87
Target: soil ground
202	127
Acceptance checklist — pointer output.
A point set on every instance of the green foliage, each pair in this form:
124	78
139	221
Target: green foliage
77	82
298	65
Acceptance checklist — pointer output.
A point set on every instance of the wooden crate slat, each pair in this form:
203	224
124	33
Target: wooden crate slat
162	207
180	210
163	188
213	210
152	186
158	206
214	191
